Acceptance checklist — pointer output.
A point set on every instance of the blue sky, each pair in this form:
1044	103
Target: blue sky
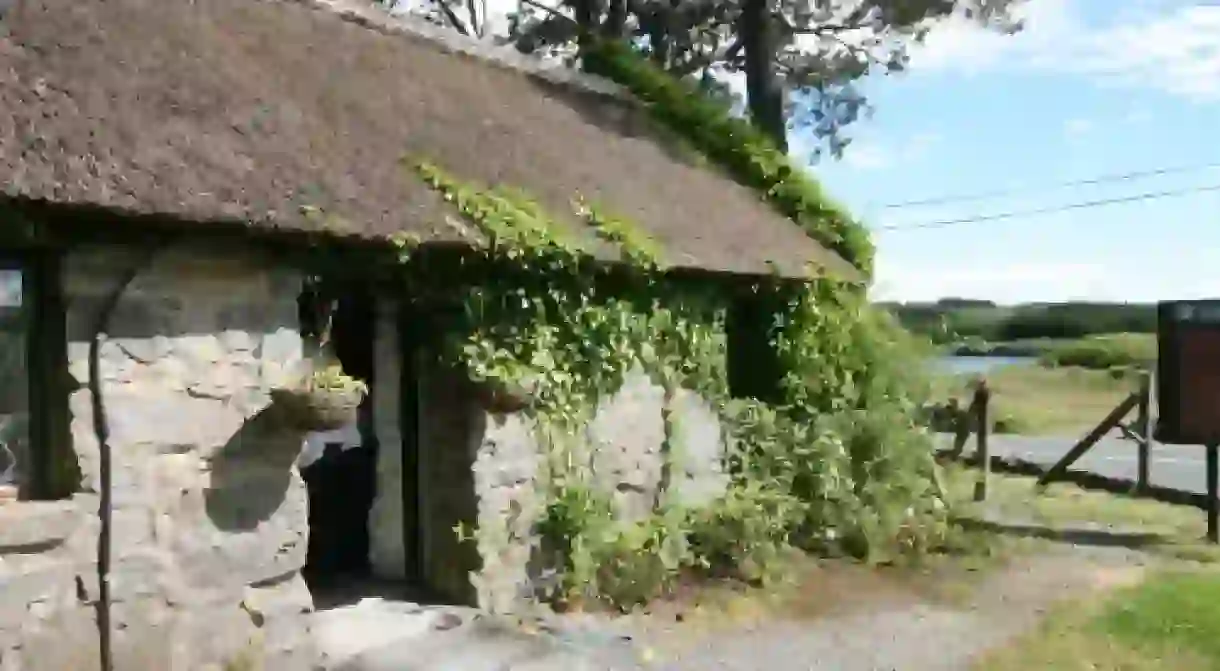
1088	89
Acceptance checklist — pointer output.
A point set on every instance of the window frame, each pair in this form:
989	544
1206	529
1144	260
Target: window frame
51	471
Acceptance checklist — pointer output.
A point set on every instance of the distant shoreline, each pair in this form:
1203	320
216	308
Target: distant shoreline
1016	348
1098	352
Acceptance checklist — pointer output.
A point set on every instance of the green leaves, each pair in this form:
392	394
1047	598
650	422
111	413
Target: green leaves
737	147
836	466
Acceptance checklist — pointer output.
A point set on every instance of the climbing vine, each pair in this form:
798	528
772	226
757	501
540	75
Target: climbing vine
734	145
831	462
542	310
835	465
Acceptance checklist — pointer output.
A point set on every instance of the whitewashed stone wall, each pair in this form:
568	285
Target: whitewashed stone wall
623	453
210	519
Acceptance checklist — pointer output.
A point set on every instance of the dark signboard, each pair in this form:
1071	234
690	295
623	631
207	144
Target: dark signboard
1188	372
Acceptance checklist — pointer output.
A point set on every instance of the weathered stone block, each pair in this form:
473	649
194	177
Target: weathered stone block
37	523
206	503
68	640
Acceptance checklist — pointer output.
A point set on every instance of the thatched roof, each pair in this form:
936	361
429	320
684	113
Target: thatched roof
255	110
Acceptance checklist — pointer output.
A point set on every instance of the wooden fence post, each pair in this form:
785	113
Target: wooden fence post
961	426
1143	424
982	397
1213	503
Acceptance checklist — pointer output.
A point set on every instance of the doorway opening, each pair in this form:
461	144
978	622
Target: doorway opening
339	467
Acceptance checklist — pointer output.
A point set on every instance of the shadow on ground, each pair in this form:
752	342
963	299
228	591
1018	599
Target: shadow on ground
1093	537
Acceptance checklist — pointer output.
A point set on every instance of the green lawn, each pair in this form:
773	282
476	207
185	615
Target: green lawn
1170	622
1038	400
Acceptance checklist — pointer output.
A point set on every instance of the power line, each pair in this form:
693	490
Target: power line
1152	195
1092	181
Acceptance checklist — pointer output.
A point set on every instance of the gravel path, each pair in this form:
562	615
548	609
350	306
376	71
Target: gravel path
884	630
909	635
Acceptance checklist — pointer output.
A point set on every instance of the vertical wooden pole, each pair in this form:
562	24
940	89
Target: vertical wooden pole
1143	425
961	426
1213	503
982	397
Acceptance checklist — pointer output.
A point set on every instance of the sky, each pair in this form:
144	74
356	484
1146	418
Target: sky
1090	88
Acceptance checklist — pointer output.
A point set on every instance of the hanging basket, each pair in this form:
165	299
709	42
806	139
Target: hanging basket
501	397
320	401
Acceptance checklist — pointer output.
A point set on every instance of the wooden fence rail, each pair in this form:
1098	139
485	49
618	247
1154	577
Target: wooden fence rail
974	419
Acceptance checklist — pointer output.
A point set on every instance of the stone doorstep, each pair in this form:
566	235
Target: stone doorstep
385	635
348	632
26	525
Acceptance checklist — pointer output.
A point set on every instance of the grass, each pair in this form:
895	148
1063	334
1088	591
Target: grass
1103	352
1174	532
1043	401
815	587
1169	622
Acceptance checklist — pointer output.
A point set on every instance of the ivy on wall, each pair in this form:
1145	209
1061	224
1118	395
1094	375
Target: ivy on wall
836	465
832	461
543	314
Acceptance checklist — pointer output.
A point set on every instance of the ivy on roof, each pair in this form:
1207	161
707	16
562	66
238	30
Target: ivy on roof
738	147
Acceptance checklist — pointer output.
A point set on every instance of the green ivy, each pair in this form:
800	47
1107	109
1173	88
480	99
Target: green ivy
736	146
836	466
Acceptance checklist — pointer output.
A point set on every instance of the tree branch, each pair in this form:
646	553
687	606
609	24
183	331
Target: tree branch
554	13
452	18
473	10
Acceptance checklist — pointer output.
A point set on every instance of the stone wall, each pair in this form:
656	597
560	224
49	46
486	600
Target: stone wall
209	514
387	546
497	458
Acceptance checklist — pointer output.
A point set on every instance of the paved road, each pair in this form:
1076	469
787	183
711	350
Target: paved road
1174	466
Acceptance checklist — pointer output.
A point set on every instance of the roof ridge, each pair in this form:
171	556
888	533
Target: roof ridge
367	15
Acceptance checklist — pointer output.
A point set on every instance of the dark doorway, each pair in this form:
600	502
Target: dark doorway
342	481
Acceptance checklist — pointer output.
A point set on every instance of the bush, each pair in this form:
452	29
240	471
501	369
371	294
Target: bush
1123	351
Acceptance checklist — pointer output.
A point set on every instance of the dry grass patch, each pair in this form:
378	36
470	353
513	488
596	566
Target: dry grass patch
1036	400
1062	509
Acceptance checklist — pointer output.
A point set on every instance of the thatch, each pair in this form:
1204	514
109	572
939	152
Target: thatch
258	110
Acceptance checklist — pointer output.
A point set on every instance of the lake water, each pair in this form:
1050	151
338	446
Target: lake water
959	365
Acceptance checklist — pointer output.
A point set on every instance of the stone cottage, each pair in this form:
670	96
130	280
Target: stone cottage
169	157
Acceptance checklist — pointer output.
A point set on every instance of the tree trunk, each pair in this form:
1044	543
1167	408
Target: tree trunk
764	90
586	21
615	26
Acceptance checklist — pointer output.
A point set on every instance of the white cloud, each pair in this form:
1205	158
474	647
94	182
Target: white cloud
1176	50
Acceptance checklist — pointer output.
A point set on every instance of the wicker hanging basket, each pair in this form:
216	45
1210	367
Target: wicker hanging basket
323	399
502	397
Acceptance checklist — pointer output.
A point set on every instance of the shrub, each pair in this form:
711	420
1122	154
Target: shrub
1103	352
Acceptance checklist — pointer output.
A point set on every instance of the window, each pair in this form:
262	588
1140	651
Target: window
14	380
753	363
36	456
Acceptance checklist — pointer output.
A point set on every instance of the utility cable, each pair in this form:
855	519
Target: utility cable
1013	214
1092	181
